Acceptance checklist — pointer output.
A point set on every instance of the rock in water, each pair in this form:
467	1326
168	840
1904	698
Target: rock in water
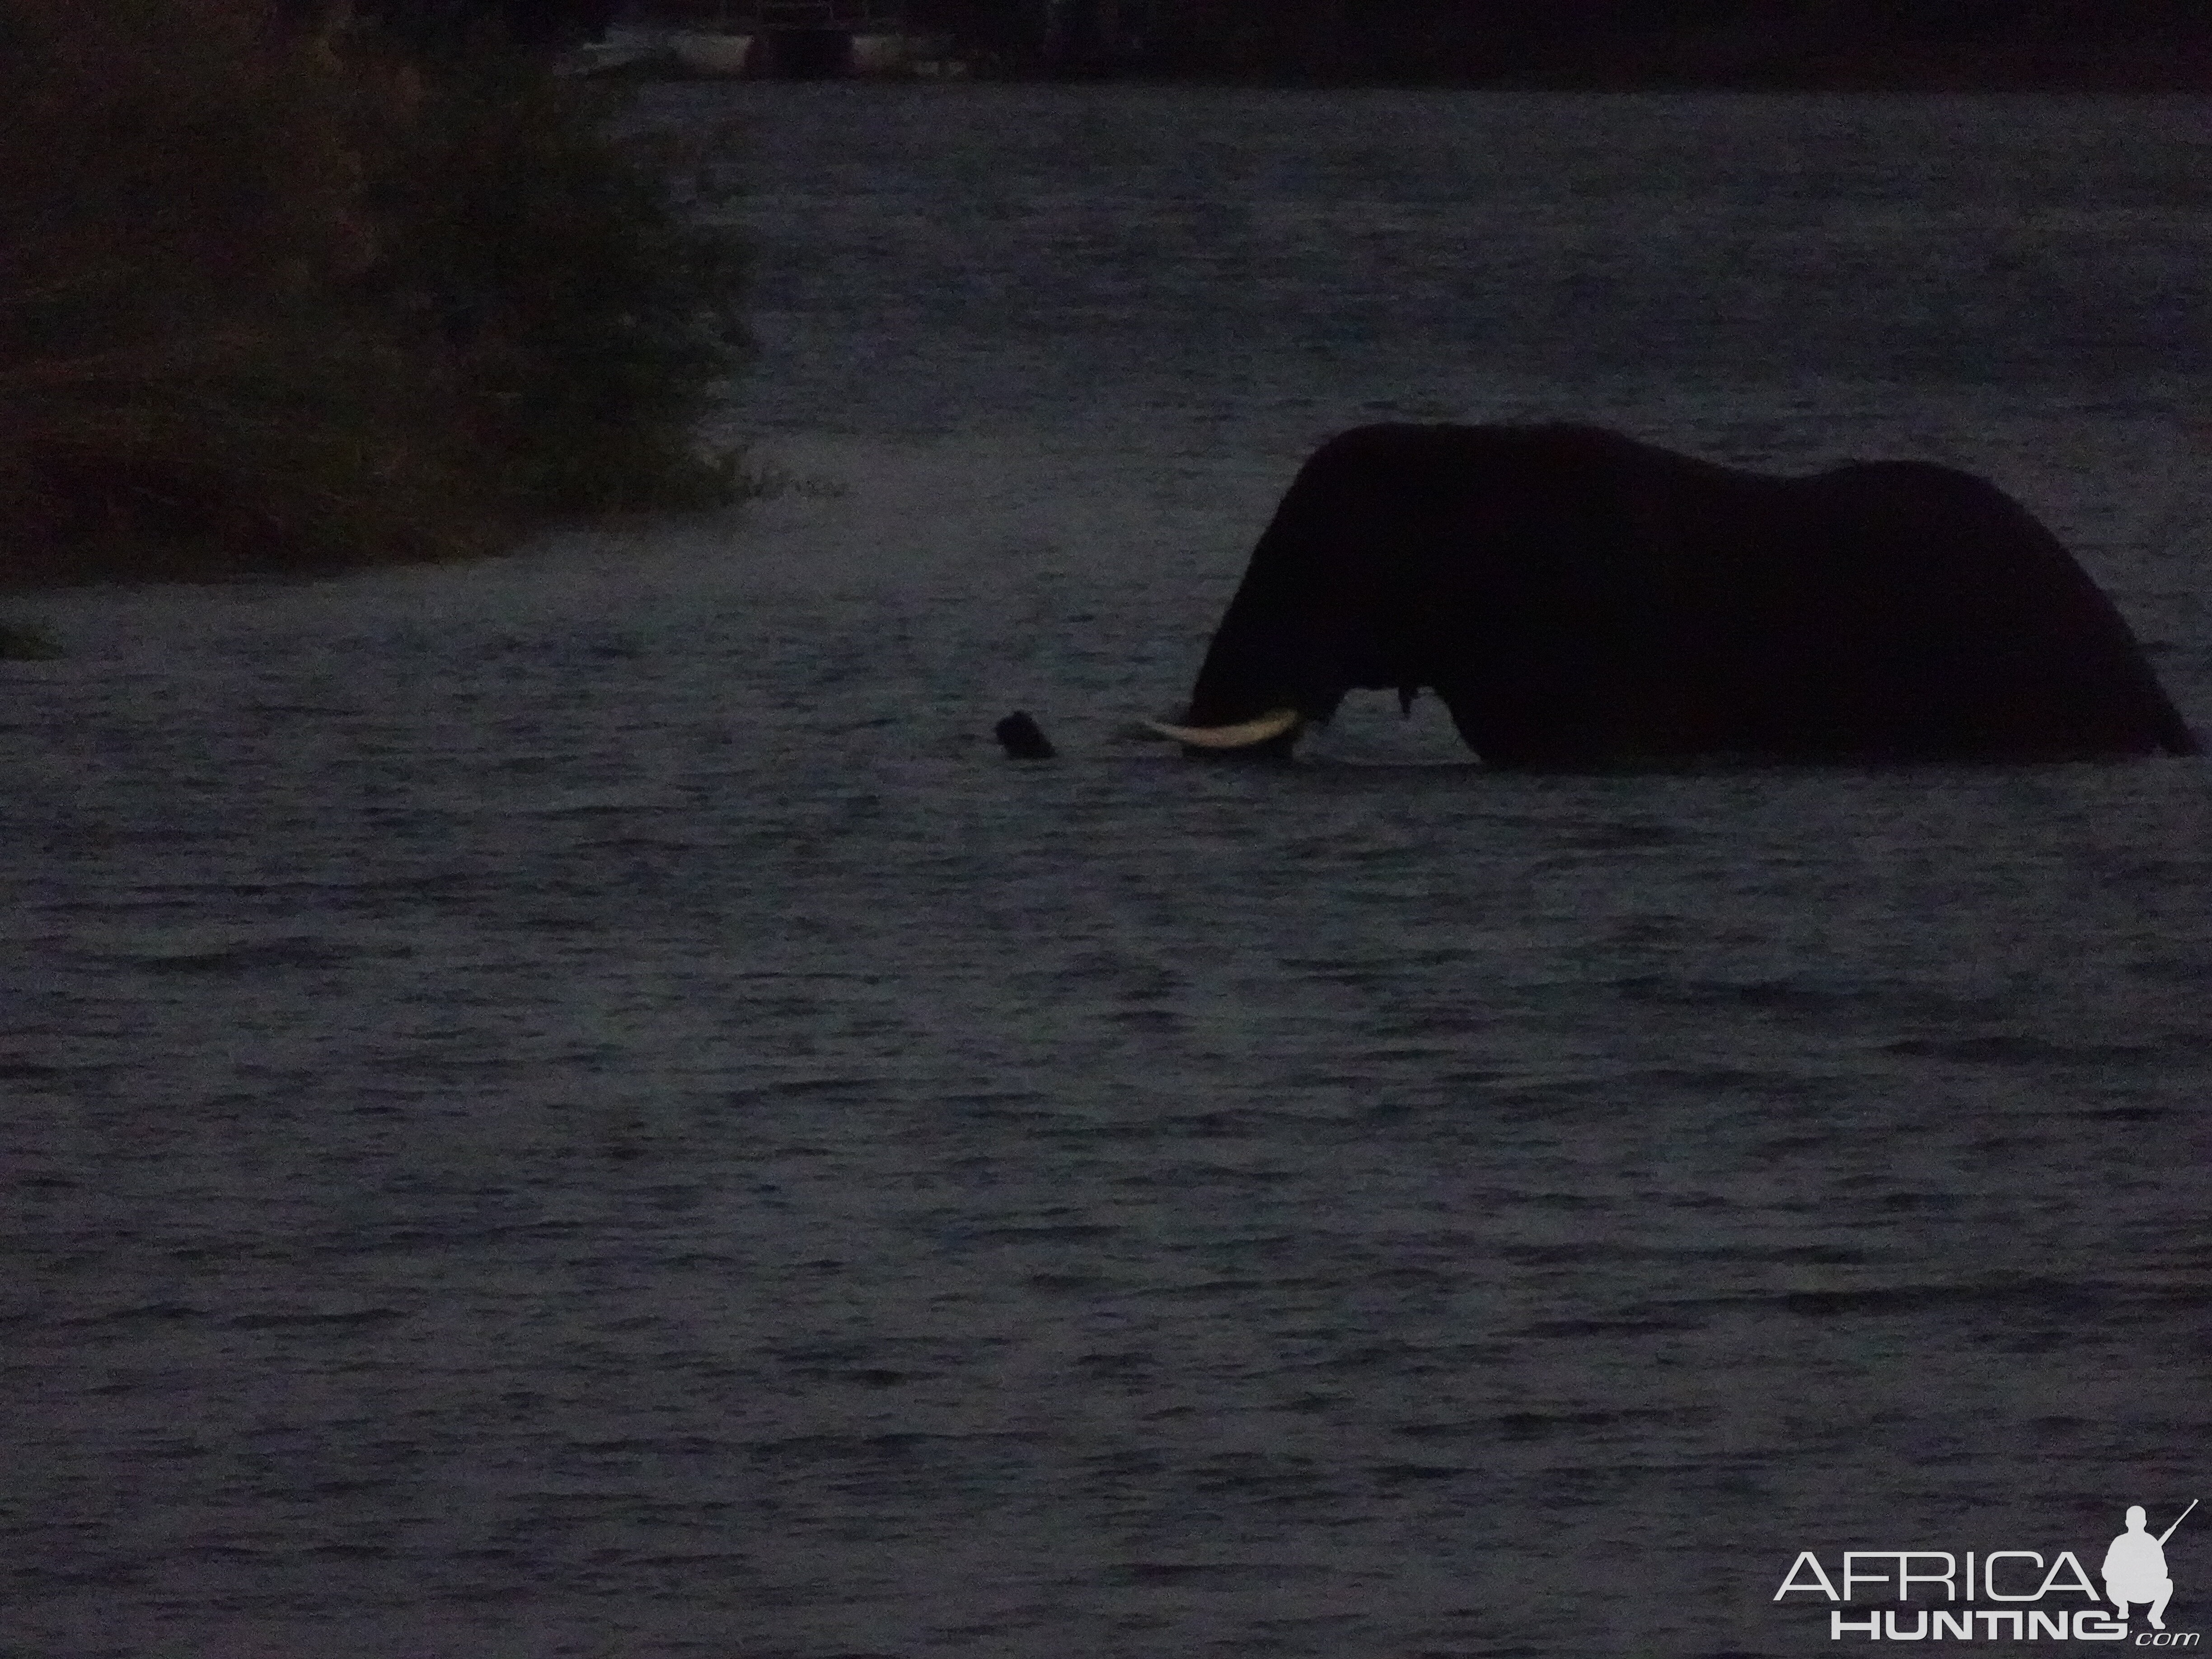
1022	738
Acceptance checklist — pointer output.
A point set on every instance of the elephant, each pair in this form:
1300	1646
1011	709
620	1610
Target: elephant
1578	598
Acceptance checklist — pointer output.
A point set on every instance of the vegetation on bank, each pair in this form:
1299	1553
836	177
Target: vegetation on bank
280	292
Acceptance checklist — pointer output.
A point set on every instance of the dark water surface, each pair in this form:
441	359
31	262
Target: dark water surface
577	1106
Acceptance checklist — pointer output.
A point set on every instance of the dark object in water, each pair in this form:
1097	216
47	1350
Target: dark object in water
25	643
1022	738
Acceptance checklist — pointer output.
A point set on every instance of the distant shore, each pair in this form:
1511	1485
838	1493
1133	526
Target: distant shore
2142	47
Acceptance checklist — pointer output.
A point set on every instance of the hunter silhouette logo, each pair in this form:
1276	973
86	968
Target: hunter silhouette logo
2135	1566
2135	1575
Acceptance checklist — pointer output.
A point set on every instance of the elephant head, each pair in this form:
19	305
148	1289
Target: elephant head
1325	605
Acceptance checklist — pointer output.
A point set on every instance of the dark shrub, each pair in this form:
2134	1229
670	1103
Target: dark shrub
276	297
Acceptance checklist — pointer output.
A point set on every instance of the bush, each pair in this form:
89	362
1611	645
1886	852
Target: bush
589	320
280	298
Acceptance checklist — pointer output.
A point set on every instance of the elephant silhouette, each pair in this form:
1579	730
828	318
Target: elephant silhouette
1578	598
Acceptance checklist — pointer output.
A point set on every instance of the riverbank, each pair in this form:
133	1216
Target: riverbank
1635	45
285	300
2185	67
2058	46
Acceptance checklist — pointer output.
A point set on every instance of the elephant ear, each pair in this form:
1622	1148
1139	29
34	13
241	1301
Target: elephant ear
1243	735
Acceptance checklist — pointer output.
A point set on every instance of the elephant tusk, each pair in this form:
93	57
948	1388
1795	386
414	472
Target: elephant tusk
1241	736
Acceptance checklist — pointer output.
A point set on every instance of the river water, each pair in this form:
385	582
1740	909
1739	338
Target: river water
578	1106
